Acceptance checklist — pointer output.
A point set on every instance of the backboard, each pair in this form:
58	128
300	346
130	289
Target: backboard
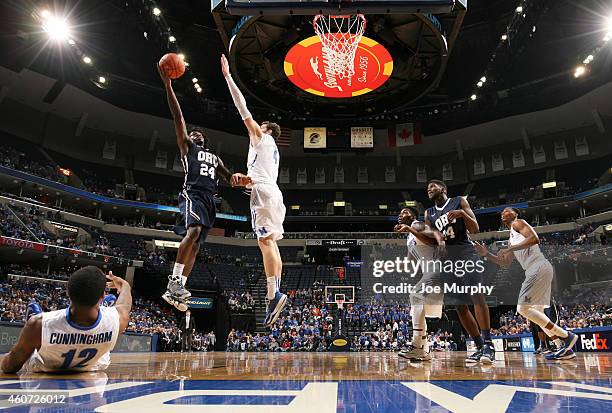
337	7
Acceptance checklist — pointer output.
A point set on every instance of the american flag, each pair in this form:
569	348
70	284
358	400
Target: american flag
285	137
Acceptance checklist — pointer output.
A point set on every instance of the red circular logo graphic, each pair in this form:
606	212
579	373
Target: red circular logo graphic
307	68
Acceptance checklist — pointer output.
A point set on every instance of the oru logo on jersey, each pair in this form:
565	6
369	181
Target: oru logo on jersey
308	67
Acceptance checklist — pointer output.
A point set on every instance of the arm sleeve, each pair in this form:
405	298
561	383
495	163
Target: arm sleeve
238	98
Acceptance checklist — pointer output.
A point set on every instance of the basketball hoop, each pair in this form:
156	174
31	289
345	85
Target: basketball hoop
340	299
339	36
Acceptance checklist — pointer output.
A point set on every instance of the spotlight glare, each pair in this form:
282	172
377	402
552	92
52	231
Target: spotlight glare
473	97
580	70
194	80
87	60
181	56
156	11
56	28
172	39
71	42
519	9
45	14
102	79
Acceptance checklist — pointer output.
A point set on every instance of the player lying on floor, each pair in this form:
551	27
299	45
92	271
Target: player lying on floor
77	338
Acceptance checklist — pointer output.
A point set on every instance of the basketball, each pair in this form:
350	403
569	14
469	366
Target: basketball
172	65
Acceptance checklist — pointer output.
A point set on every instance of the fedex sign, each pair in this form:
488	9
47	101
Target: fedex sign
596	342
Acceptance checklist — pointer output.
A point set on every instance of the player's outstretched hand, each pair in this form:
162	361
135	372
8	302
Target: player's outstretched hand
163	76
114	282
239	179
401	228
225	66
480	249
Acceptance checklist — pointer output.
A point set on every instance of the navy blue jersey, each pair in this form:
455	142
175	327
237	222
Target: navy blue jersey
455	232
200	167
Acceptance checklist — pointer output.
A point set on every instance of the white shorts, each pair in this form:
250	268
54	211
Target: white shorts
535	290
267	211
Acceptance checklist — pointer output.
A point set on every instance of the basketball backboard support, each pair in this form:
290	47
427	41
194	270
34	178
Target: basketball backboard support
337	7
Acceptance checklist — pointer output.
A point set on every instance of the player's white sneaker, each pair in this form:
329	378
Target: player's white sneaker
415	354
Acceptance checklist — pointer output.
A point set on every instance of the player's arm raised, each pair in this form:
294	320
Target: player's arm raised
527	231
255	133
123	305
179	122
467	215
29	340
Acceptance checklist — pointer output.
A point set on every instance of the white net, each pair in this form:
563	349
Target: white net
340	37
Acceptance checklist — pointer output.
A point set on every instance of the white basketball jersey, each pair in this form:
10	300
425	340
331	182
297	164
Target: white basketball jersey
68	346
263	161
528	256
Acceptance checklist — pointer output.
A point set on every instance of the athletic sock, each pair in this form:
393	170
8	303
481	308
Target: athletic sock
558	342
478	341
486	336
178	269
183	280
278	282
271	287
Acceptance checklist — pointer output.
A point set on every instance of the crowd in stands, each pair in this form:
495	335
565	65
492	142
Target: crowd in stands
27	223
240	302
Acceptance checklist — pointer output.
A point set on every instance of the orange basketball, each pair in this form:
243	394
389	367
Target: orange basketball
172	65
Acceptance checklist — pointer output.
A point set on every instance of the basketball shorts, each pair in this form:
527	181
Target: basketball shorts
536	288
197	208
267	211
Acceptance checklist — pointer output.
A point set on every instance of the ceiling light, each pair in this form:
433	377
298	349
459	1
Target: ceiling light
172	39
57	28
479	84
71	42
156	11
483	79
194	80
87	59
504	37
473	97
519	9
580	70
181	56
102	79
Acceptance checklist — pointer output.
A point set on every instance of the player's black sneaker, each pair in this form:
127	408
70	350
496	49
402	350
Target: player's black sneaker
488	354
475	357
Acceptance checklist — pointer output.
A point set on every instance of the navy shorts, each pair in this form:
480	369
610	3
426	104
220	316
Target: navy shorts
197	208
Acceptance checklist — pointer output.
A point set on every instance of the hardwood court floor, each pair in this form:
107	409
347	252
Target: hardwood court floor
319	383
349	366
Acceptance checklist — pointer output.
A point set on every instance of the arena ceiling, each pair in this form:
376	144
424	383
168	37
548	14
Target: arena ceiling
112	33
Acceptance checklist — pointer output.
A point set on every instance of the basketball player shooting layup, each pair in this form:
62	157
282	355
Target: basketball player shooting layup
77	338
267	207
536	289
196	199
454	218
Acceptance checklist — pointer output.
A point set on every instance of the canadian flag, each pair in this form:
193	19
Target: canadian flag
405	134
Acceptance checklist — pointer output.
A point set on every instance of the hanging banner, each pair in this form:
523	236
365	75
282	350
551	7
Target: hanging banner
362	137
315	138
